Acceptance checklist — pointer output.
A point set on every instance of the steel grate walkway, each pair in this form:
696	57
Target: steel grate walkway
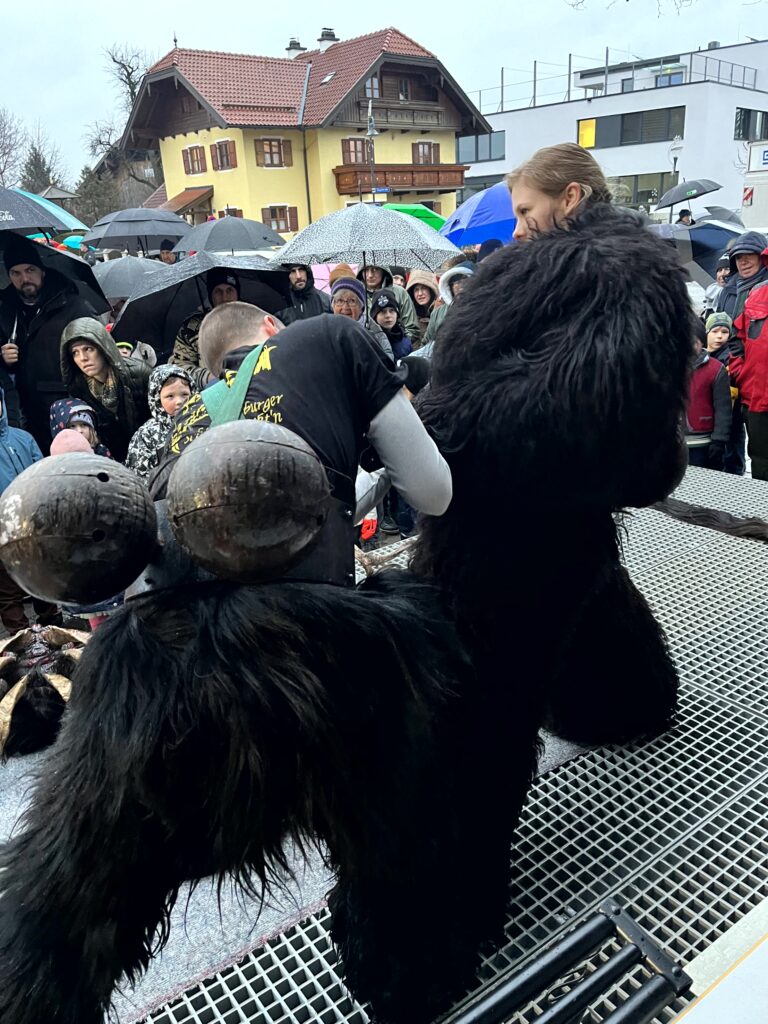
676	829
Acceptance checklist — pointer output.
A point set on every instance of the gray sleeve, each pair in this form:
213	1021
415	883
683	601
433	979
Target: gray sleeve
721	399
416	468
370	489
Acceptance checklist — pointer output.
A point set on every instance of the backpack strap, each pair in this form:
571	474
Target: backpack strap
224	402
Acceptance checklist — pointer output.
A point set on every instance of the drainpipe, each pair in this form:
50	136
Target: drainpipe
304	139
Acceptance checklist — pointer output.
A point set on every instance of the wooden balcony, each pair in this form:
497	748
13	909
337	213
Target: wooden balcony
355	179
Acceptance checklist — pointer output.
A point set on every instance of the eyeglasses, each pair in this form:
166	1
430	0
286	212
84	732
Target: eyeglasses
349	303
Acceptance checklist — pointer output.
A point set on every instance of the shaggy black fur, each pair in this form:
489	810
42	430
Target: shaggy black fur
399	722
750	527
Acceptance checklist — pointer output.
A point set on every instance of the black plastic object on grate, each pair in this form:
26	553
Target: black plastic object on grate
676	829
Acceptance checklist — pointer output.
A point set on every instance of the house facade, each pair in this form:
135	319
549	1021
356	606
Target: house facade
287	140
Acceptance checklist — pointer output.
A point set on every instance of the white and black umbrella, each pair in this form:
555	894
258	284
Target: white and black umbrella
119	279
136	229
231	235
687	190
368	234
17	213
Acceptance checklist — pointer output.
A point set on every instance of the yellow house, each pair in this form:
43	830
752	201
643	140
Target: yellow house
285	140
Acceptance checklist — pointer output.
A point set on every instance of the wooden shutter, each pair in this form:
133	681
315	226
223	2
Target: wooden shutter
201	158
214	156
293	218
259	152
415	154
435	152
185	158
231	152
287	153
346	151
266	216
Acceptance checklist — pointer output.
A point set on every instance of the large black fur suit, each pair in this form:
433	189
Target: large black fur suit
398	723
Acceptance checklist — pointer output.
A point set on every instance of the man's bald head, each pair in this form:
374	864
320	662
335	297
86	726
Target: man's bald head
230	326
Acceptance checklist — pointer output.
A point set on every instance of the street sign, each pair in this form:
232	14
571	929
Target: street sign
383	188
749	194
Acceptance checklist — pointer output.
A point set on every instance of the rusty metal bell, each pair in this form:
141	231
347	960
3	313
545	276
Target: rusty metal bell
76	528
247	499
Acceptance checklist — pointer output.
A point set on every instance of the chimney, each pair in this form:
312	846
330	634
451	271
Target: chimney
294	47
714	45
327	38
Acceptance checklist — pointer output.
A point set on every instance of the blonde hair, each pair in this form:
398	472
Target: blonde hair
552	169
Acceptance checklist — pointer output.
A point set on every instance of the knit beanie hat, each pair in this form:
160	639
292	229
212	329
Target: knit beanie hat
342	270
398	272
123	346
67	441
385	298
349	284
489	245
221	275
83	415
166	245
21	250
718	320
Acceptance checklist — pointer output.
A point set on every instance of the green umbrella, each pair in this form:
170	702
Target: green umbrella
420	211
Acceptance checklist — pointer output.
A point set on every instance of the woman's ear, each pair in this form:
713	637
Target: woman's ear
573	195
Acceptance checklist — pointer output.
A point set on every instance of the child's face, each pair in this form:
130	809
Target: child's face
717	337
387	318
88	432
173	394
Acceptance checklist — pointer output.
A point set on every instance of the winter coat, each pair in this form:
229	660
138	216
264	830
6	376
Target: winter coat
149	440
305	302
38	371
116	428
185	351
18	449
61	412
408	316
439	313
399	340
708	411
736	288
428	279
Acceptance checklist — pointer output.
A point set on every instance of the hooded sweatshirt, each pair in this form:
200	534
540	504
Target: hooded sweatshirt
408	316
440	312
121	406
18	449
149	440
737	288
305	302
428	279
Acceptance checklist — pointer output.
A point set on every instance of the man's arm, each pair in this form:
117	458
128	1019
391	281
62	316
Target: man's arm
415	467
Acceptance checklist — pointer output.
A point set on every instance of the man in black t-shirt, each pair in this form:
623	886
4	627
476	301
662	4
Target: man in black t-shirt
324	379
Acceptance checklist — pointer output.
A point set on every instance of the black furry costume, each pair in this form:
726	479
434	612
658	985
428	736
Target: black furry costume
397	722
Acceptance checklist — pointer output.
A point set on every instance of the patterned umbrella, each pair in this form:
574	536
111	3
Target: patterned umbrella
136	229
368	234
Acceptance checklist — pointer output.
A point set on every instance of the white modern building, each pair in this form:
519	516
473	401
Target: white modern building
649	123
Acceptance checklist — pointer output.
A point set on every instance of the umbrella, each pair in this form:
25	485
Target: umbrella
20	213
686	191
67	219
722	214
136	229
65	263
161	301
700	245
419	211
119	279
363	233
229	234
487	214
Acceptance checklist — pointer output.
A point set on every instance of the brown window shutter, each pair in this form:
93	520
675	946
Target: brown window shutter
238	213
232	154
203	166
266	216
415	153
346	151
214	156
435	152
293	218
259	143
185	158
287	153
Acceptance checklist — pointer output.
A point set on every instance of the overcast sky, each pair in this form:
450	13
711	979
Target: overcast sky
52	67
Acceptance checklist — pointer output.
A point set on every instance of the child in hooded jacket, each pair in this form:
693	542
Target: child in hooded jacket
169	389
72	414
385	310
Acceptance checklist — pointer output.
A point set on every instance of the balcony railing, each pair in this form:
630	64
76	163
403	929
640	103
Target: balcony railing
354	179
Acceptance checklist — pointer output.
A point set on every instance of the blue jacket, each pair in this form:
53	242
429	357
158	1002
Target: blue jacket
18	449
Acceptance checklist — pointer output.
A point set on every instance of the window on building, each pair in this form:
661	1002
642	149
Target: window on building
425	152
281	218
372	89
640	126
354	151
230	211
189	104
223	155
194	160
670	78
404	88
470	149
327	78
641	189
627	85
274	153
750	125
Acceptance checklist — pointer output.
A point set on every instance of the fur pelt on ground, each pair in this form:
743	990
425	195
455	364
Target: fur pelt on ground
398	723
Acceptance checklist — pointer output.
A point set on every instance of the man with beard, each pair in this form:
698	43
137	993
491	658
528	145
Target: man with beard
306	299
34	310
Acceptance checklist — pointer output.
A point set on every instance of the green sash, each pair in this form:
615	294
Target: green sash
225	403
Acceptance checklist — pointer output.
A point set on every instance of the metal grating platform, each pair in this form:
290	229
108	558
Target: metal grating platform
677	829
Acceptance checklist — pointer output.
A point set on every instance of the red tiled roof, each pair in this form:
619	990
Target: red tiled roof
247	90
156	199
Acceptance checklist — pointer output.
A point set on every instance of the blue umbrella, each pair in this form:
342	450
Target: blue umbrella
487	214
700	245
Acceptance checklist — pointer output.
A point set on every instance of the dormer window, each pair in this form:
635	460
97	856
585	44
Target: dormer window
372	91
404	88
327	78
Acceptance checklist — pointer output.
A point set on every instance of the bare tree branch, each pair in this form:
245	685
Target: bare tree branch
126	67
13	145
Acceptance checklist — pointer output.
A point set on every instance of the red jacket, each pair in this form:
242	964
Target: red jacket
750	372
709	400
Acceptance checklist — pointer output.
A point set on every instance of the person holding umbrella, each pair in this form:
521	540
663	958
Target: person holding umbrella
306	299
223	285
685	217
34	310
167	255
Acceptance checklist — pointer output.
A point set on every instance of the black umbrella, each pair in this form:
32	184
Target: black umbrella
119	279
721	214
686	191
17	213
699	245
68	265
136	229
155	311
229	234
